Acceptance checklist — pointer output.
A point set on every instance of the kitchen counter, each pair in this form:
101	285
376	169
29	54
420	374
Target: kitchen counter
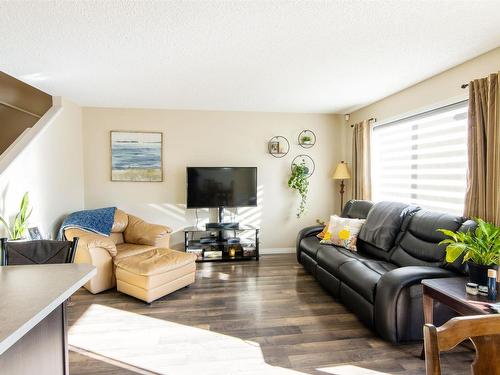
33	297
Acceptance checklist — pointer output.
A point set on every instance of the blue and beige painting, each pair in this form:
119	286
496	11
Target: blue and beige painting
136	156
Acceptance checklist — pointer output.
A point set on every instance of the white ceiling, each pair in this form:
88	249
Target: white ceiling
278	56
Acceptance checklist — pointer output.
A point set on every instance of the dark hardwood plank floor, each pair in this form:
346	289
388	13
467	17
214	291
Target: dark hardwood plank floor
269	317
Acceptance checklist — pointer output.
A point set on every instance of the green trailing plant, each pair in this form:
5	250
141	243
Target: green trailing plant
306	139
298	181
480	246
20	224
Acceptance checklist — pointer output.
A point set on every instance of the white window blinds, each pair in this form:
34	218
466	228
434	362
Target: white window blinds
422	159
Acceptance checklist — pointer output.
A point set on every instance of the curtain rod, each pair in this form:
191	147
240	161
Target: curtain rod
464	86
370	119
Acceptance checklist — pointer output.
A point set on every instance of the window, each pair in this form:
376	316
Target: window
422	159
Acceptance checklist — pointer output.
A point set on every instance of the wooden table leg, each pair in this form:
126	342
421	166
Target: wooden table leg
428	307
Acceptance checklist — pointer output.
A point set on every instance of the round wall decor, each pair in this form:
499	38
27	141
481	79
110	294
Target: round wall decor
278	146
306	138
307	161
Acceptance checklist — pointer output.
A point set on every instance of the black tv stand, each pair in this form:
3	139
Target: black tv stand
217	245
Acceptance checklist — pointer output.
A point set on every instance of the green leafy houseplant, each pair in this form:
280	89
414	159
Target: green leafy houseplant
298	181
20	224
481	249
481	246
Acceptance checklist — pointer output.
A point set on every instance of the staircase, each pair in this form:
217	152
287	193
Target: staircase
21	107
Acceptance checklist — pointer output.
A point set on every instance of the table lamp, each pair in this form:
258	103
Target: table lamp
341	173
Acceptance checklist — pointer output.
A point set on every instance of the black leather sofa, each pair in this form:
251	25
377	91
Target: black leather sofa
397	248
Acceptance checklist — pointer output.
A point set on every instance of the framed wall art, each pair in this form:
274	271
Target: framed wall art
136	156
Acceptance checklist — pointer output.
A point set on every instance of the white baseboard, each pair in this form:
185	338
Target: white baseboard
277	250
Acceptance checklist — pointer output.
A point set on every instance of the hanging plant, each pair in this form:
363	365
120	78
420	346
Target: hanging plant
298	181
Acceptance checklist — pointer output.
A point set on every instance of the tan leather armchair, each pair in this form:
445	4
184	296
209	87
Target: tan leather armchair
129	236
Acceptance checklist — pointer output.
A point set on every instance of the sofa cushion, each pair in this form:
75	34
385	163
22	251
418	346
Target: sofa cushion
125	250
156	261
155	273
356	209
419	245
140	232
331	257
379	266
382	226
363	276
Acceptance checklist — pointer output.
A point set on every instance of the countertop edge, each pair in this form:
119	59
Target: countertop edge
42	314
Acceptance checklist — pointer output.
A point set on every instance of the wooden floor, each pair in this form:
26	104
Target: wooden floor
269	317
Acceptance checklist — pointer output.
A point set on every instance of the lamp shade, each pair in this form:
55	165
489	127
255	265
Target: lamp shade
341	172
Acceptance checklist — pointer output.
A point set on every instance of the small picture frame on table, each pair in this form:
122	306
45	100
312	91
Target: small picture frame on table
34	233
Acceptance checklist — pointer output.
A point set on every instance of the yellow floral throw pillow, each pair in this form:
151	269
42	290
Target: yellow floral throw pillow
343	232
321	234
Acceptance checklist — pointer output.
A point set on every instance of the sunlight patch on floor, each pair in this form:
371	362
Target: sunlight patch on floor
207	273
165	347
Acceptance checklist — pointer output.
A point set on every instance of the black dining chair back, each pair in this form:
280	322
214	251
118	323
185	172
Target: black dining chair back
37	252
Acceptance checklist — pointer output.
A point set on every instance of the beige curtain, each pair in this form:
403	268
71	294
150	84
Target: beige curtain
483	175
361	171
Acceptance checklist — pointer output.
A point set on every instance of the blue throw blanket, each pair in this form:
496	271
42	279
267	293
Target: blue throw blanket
98	221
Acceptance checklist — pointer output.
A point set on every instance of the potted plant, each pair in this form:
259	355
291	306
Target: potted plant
19	227
298	181
306	140
481	249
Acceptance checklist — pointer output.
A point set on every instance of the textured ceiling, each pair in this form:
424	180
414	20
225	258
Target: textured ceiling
279	56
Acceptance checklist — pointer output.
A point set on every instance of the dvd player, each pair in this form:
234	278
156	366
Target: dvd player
222	226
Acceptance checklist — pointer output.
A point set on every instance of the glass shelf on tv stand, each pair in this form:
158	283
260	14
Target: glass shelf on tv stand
248	248
203	229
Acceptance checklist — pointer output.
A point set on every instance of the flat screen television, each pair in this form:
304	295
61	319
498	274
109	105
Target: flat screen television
209	187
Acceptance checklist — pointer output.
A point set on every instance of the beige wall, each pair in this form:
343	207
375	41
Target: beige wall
439	90
63	176
50	168
202	138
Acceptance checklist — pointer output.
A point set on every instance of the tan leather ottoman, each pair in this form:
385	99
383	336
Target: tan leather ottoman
154	273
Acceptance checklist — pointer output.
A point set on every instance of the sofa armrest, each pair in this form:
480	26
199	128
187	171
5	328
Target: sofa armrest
306	232
142	233
91	240
99	251
390	287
